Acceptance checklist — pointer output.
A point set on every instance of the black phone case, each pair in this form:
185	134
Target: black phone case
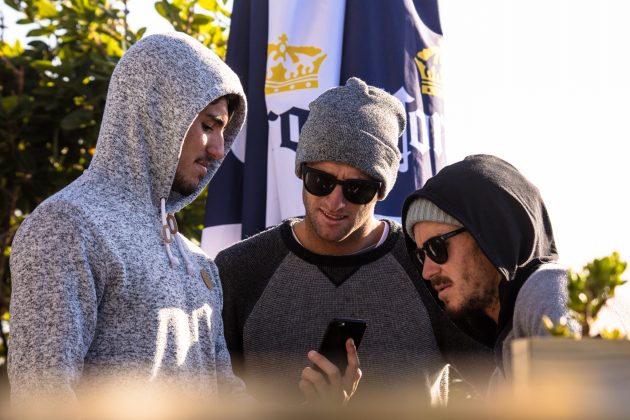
333	345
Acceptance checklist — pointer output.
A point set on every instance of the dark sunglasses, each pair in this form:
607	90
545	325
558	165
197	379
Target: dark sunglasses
435	248
357	191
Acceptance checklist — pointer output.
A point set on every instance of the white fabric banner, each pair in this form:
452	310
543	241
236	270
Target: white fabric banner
303	60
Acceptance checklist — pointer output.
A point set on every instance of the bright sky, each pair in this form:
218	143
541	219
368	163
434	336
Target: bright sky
543	84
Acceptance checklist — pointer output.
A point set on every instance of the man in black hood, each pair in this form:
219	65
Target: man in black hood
482	238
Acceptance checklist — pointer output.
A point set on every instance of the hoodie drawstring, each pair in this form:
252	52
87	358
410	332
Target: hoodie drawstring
191	267
169	233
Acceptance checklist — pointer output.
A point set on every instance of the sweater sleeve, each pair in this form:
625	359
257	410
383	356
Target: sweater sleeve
245	269
230	386
232	324
53	303
544	293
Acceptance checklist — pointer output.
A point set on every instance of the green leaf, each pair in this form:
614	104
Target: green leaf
10	103
43	65
76	119
140	33
44	31
11	51
210	5
45	9
112	45
201	19
161	9
36	44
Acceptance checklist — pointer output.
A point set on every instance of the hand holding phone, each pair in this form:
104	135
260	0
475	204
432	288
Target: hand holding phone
333	345
340	361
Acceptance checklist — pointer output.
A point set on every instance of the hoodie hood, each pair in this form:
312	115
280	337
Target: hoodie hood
155	93
505	214
500	208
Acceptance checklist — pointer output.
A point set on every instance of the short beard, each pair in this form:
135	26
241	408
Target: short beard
481	282
310	218
182	186
474	304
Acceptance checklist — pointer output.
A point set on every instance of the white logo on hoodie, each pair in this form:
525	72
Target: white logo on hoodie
186	329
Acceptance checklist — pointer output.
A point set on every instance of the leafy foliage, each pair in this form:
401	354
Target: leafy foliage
52	97
209	27
588	293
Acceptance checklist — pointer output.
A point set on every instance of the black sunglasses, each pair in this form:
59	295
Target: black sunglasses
357	191
435	247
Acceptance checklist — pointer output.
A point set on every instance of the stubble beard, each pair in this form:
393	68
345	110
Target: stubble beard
182	186
481	299
319	231
482	292
352	227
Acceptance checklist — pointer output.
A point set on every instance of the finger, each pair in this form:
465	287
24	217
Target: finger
358	377
317	380
353	372
307	388
329	368
326	388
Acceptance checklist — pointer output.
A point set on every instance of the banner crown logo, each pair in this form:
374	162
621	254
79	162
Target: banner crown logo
292	67
429	64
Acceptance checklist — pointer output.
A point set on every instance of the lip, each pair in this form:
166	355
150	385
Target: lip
333	218
202	166
441	288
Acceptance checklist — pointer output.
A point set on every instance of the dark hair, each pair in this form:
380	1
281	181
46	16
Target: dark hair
232	101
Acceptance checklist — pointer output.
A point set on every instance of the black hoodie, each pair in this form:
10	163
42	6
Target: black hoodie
506	215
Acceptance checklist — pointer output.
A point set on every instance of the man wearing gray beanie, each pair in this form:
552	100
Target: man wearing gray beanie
284	285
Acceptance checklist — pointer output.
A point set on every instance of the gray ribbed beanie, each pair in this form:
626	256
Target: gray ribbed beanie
422	210
358	125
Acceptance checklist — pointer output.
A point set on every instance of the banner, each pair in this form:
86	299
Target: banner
287	52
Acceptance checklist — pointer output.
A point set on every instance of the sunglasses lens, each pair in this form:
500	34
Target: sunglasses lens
318	183
436	249
419	254
358	192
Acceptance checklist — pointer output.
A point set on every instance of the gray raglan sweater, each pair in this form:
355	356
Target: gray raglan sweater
279	297
97	291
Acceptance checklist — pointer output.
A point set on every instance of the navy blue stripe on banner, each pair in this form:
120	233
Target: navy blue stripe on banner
237	193
429	12
380	42
255	180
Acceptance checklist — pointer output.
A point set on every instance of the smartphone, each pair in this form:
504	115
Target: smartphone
333	345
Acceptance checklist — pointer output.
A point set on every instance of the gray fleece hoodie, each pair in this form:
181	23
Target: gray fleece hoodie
97	291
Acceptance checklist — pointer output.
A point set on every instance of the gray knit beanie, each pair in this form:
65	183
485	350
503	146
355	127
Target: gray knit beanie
358	125
422	210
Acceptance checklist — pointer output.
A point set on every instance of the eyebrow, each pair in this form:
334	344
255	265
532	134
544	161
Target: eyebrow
217	119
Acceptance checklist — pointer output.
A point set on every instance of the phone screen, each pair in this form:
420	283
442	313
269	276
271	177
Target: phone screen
333	345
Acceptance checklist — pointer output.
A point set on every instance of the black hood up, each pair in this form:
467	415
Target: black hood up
503	211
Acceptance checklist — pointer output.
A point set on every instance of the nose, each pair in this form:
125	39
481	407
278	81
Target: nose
430	269
215	147
336	200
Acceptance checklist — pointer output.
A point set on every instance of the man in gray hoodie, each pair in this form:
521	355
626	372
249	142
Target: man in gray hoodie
101	279
104	287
